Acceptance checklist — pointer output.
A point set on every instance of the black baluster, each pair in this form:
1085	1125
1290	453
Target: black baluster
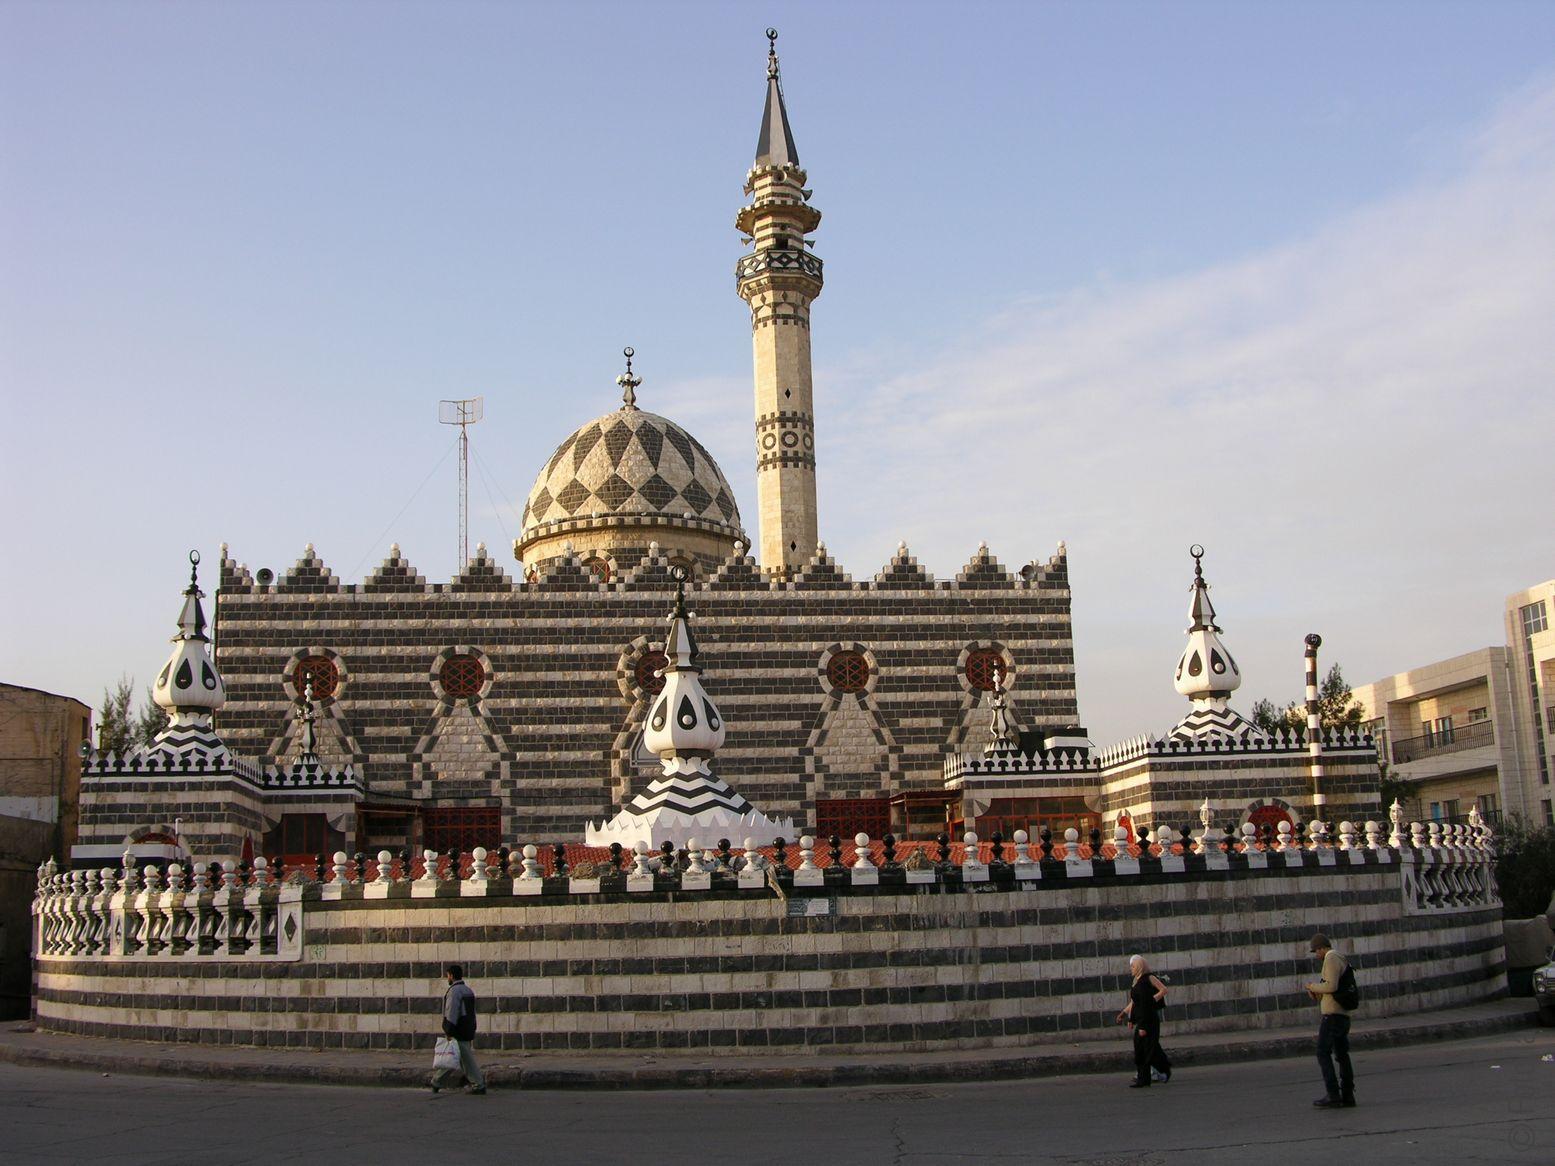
997	857
277	870
889	850
1296	835
505	860
405	861
361	867
559	855
453	863
1047	844
1095	843
779	854
836	850
319	873
723	854
944	849
667	864
615	856
1142	835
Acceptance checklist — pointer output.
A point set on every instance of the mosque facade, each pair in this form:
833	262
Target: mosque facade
518	701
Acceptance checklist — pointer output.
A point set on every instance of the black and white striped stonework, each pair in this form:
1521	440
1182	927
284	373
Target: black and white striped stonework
1212	721
689	794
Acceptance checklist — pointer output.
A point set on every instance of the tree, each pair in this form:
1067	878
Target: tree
1336	706
114	732
117	732
1525	868
152	720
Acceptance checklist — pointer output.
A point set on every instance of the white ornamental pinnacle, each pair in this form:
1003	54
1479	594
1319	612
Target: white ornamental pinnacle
1206	668
189	688
684	726
1206	673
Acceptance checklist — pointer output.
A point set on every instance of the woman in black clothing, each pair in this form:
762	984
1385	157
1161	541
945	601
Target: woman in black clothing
1146	995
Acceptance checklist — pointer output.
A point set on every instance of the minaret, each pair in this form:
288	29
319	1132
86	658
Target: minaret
189	688
1206	674
778	279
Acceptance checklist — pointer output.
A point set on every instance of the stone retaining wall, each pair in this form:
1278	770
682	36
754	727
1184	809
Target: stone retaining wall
893	967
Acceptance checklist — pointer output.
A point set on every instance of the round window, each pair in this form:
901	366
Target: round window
462	677
598	568
982	665
649	672
322	671
848	672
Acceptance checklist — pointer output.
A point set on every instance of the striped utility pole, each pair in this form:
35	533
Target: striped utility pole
1314	726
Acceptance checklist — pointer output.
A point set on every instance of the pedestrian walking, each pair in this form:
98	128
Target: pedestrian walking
459	1026
1336	983
1146	996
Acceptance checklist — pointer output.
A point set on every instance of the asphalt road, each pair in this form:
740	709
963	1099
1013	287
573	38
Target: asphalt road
1486	1100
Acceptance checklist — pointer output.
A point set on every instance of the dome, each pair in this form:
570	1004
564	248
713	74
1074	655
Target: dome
630	465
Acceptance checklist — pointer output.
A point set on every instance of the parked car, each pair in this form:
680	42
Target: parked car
1544	990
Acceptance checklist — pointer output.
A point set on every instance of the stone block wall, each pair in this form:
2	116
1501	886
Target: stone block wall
952	964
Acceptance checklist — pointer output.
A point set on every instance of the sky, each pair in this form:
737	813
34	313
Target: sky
1274	278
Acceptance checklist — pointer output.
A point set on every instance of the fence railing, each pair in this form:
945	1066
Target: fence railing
1444	741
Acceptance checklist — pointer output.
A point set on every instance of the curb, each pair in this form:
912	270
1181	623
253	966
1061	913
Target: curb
995	1067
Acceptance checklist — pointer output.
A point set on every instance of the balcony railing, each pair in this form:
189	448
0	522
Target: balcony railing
1444	741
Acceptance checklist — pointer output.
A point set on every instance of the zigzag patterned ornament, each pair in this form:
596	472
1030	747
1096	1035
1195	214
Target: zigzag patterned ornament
1207	674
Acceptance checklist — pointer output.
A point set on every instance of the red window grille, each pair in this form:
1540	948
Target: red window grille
462	676
848	672
982	664
598	568
322	671
461	828
649	672
846	817
1270	816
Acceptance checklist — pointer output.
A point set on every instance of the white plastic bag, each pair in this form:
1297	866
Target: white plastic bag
445	1054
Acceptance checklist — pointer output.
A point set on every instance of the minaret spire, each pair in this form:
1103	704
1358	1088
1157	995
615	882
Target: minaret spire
779	279
627	381
775	146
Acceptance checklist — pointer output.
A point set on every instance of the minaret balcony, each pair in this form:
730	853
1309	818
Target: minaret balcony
801	215
776	262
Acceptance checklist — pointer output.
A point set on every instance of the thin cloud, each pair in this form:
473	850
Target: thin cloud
1355	422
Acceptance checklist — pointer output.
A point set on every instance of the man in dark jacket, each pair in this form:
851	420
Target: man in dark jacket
459	1025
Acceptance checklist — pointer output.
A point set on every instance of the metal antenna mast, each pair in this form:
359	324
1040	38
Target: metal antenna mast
464	414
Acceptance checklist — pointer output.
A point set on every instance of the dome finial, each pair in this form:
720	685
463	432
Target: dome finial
627	381
772	57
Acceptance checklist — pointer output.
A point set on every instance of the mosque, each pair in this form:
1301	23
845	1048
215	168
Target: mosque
531	702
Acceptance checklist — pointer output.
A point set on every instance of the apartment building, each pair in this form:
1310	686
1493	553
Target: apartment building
1474	730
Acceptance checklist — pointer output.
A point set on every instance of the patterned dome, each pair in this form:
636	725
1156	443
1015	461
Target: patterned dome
630	463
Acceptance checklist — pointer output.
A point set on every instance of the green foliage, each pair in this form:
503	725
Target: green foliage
119	732
1525	868
152	720
114	732
1336	706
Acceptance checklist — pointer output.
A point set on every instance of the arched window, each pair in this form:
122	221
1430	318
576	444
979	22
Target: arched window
649	671
981	666
848	671
462	677
322	671
598	568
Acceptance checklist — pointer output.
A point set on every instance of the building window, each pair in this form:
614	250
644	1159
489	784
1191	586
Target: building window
848	671
322	671
1490	808
1477	715
1549	815
300	838
1535	619
1436	811
598	568
1450	809
445	828
649	672
462	677
982	665
846	817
